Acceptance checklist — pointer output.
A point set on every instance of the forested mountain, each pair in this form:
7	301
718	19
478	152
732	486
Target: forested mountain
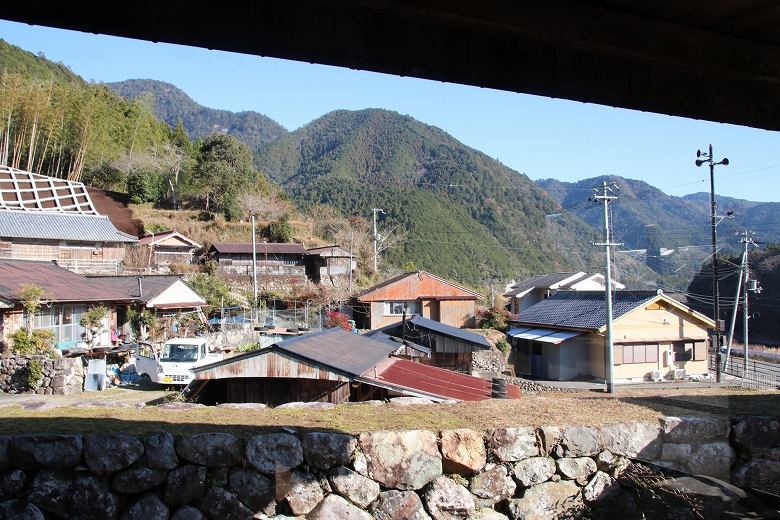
171	103
466	216
14	60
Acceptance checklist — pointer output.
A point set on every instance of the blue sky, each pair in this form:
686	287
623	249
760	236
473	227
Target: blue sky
541	137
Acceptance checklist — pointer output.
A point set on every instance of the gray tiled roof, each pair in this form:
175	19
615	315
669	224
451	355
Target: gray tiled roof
60	226
582	309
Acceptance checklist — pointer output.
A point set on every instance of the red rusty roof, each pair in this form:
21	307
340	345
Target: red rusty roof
439	382
417	285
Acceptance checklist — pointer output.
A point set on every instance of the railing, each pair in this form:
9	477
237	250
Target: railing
759	374
77	265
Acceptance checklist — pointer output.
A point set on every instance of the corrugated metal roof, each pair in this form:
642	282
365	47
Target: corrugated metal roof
57	283
581	309
441	328
402	373
60	226
330	251
260	248
542	281
412	286
339	350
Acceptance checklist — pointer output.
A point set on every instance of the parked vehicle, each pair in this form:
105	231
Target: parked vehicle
171	365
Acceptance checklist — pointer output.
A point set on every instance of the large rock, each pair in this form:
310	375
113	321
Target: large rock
19	510
5	457
756	435
714	460
600	488
109	453
548	501
488	514
402	460
513	444
303	492
463	451
187	513
73	496
634	439
274	452
161	451
213	450
678	454
693	430
579	441
360	490
147	507
185	484
334	507
576	468
220	504
393	505
494	483
533	471
761	474
549	437
30	452
12	482
326	450
447	500
138	480
253	489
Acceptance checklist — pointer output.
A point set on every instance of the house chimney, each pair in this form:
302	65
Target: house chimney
140	288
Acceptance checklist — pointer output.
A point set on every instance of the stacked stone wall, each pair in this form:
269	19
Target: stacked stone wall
62	376
516	473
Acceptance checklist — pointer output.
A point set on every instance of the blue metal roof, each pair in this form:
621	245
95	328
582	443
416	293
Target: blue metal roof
582	310
60	226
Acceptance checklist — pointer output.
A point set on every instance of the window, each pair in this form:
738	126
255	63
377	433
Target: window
397	308
537	348
682	351
637	353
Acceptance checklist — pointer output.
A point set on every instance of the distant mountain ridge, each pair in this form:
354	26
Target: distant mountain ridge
171	103
470	218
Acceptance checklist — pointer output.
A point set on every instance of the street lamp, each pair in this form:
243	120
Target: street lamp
704	157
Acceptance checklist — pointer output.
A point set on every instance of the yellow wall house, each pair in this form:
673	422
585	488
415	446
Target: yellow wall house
654	337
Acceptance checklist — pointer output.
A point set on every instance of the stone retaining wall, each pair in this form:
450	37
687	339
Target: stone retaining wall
59	376
518	473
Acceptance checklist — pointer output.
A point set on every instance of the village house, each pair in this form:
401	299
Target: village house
432	343
540	287
277	264
169	247
67	296
48	219
415	293
654	337
330	366
330	265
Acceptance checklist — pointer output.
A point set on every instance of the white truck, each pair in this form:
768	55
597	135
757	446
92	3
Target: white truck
172	364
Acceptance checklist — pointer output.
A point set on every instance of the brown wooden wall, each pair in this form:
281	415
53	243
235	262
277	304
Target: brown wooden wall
280	390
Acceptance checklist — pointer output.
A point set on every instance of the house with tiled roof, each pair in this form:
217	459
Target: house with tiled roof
654	337
278	264
169	247
540	287
49	219
420	293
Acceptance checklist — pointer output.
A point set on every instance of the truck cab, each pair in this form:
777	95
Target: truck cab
171	365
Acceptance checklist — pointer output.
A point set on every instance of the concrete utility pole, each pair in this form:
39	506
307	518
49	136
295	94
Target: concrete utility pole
254	265
376	236
708	158
750	286
606	197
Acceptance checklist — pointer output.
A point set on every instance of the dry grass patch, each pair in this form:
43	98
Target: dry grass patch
585	409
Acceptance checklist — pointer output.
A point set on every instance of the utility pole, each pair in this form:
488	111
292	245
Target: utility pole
750	286
254	265
708	158
605	198
376	236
